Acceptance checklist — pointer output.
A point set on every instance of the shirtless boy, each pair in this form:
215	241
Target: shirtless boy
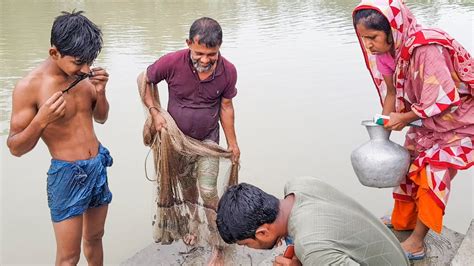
78	193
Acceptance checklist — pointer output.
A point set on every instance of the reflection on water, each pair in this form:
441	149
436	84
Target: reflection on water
303	88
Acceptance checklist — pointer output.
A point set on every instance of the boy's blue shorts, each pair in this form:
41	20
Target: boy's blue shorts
73	187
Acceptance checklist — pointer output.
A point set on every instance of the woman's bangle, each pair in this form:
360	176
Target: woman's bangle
153	107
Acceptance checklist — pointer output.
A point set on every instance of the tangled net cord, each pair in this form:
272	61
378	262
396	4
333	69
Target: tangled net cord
157	136
175	156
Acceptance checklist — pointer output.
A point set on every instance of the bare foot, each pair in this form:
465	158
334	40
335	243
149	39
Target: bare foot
217	257
190	239
412	245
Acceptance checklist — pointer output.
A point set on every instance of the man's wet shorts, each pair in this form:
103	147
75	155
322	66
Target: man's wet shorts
74	187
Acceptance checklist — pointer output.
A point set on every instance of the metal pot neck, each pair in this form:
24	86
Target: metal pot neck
376	132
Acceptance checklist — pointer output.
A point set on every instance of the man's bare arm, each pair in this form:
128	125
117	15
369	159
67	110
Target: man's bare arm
27	123
227	121
147	99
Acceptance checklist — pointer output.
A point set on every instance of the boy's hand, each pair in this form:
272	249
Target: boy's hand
53	109
282	261
99	78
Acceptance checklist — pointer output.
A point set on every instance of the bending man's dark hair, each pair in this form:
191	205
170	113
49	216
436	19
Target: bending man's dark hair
208	30
75	35
374	20
242	209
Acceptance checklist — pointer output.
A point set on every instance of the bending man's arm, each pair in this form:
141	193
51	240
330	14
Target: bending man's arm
227	121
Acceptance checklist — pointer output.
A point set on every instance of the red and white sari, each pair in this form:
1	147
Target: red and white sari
434	78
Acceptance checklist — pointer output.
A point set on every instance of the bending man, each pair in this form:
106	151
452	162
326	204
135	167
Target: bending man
327	227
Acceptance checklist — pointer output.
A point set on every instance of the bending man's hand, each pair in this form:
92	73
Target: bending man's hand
282	261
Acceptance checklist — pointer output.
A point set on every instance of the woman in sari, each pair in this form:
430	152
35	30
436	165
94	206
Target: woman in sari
422	74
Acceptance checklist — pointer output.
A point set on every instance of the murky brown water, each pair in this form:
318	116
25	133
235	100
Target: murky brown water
303	89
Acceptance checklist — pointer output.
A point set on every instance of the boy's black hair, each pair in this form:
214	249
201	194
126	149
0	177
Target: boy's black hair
75	35
208	30
374	20
242	209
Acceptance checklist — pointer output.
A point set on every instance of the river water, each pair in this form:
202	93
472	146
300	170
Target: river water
303	90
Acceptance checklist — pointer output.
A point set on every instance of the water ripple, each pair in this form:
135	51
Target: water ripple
258	34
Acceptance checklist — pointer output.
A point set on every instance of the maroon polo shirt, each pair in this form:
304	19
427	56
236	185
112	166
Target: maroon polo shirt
193	103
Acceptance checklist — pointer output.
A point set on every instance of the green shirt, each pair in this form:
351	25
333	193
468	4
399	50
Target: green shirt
330	228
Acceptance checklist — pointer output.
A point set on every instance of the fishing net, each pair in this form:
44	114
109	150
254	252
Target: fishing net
179	161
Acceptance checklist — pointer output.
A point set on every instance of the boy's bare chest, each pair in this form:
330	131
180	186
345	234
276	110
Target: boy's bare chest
79	101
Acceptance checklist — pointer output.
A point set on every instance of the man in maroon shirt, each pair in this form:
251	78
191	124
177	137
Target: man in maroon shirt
201	85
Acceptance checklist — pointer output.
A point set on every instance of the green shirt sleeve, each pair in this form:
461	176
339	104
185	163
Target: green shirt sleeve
327	257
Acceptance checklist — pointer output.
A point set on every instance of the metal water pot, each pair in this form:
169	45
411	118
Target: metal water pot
380	162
